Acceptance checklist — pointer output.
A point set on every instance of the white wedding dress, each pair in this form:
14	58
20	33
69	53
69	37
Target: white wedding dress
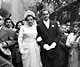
29	47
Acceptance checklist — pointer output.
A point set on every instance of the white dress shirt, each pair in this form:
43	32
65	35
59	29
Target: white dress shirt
47	23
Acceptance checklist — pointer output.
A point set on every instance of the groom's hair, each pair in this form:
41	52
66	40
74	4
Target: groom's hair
44	10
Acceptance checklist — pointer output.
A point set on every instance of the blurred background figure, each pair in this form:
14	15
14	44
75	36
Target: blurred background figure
64	48
73	40
16	59
6	42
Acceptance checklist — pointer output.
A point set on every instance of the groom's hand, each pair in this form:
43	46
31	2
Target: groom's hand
46	47
39	39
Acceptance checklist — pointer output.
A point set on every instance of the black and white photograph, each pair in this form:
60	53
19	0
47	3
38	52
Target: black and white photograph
39	33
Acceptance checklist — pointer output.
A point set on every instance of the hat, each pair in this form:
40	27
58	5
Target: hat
29	12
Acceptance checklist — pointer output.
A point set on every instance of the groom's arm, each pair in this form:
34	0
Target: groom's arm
42	43
39	39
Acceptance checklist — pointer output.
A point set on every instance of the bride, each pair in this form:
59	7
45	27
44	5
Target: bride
27	42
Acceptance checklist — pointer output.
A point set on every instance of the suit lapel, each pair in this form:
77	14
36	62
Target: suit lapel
45	25
44	28
50	25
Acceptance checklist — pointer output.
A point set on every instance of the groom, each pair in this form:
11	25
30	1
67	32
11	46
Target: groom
48	37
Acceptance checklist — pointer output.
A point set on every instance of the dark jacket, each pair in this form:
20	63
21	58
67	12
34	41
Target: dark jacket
48	35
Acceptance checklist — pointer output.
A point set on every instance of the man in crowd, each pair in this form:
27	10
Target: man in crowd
6	41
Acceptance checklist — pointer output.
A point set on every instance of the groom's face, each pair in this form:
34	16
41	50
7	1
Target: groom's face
45	15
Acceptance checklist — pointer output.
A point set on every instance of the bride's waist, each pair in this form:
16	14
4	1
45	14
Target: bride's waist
30	39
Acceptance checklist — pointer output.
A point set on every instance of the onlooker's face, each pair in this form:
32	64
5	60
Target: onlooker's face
45	15
9	24
63	28
19	25
1	21
76	28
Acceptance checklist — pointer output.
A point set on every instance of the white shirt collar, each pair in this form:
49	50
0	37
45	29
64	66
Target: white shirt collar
47	23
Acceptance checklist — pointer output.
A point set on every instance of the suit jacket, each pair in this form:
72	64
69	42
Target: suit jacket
48	35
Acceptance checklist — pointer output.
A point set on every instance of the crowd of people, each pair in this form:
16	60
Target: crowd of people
38	41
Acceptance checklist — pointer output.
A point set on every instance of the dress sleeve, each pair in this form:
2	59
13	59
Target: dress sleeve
20	39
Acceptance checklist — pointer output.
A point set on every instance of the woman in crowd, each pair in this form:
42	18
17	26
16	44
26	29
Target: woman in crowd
18	26
73	40
27	42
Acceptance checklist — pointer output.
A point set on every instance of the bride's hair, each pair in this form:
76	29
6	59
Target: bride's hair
29	16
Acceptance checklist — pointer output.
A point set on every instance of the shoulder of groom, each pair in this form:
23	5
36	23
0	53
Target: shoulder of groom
53	22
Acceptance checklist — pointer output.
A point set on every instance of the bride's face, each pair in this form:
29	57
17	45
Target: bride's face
30	20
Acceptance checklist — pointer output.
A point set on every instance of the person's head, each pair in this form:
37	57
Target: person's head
30	17
63	28
24	22
68	26
76	26
19	24
1	21
9	23
45	14
39	6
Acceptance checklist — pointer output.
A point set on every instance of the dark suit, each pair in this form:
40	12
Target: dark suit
16	56
49	58
6	35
